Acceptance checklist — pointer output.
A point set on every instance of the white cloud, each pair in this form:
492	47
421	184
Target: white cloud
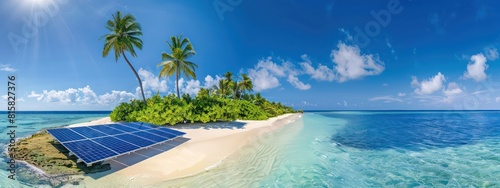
476	68
35	95
351	64
348	35
498	99
265	75
390	46
305	103
272	67
7	68
452	89
115	97
345	103
386	99
83	95
401	94
491	54
385	84
210	81
297	83
88	95
263	80
428	86
322	73
479	92
152	82
191	87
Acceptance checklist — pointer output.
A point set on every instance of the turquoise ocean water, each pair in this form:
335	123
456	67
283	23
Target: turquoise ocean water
368	149
350	149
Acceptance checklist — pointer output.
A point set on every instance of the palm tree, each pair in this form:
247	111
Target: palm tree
221	88
240	85
246	84
176	62
236	86
228	76
123	37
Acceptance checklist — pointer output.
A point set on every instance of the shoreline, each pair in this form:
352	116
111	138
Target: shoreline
204	147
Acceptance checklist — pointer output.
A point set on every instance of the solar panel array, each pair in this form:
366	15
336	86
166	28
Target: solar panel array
101	142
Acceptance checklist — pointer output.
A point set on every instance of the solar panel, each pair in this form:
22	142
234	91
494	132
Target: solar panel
64	134
160	133
89	151
88	132
136	140
107	130
122	128
150	136
101	142
171	131
140	126
116	144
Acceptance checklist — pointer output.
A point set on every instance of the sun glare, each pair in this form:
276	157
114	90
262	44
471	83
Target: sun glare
37	2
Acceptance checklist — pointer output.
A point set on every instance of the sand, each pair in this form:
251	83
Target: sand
202	148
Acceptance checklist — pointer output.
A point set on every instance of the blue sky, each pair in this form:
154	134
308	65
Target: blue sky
326	54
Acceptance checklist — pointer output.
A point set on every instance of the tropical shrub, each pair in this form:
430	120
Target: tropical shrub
170	110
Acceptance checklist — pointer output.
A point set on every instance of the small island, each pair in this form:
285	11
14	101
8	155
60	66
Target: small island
230	98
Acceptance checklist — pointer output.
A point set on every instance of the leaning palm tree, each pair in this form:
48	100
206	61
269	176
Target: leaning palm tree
123	37
176	61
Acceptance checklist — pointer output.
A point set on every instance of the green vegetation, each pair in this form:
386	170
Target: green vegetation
227	101
176	62
202	108
123	37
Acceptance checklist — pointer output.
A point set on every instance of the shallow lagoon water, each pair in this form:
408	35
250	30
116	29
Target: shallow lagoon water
375	149
357	149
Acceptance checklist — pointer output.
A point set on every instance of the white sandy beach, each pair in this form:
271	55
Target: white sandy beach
203	147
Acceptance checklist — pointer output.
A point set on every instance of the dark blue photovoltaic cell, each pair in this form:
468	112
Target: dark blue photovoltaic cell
64	135
116	145
135	140
89	151
122	128
87	132
162	134
149	136
97	143
140	126
106	129
171	131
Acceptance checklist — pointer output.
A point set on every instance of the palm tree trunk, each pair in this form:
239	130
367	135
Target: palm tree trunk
136	75
177	78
